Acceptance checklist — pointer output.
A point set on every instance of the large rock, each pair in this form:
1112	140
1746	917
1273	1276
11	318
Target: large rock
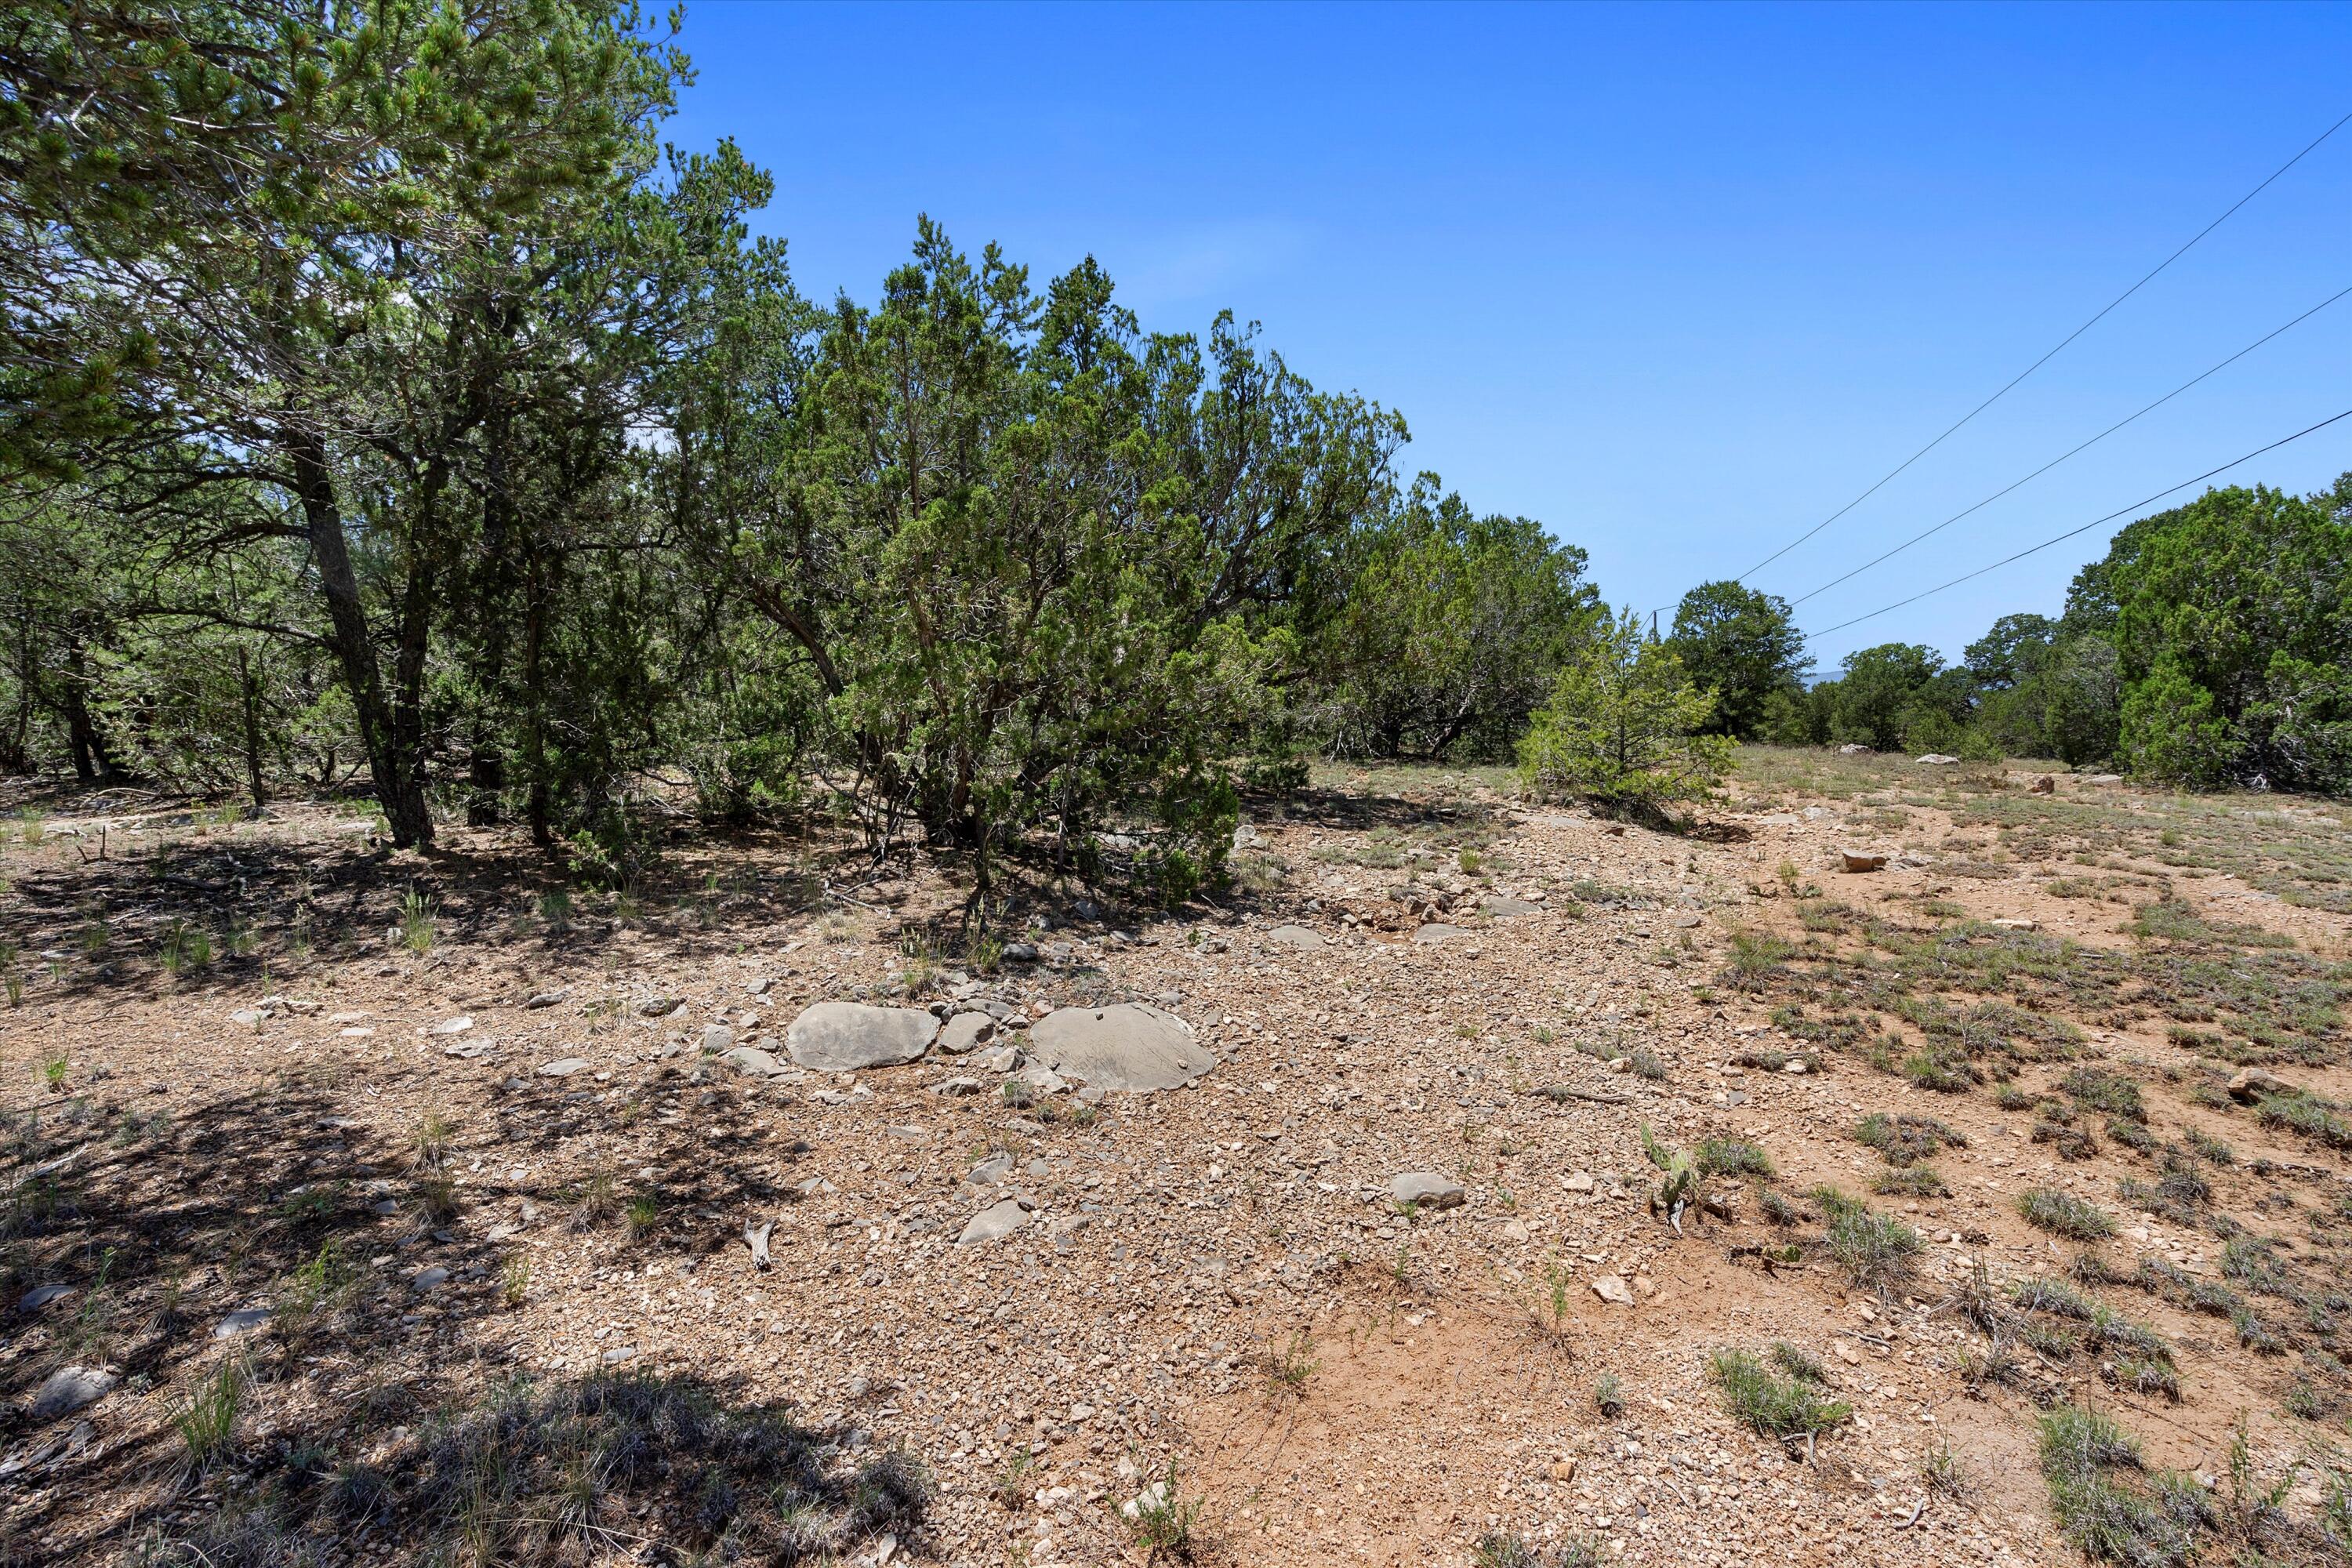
70	1388
996	1221
1505	908
1133	1047
1937	760
1437	932
1426	1189
2249	1084
842	1036
1293	936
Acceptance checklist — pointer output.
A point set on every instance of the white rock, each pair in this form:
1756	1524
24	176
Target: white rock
1133	1047
1613	1291
844	1036
1426	1189
999	1219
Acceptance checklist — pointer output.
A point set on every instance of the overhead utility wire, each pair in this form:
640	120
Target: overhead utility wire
2085	529
2045	358
2063	456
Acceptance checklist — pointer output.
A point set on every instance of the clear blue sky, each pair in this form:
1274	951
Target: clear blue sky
1677	281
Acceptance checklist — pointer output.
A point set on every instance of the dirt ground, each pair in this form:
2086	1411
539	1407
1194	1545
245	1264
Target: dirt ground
303	1221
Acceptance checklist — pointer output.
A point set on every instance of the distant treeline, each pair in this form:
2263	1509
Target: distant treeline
2209	647
382	404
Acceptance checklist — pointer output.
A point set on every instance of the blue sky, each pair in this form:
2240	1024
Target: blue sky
1679	281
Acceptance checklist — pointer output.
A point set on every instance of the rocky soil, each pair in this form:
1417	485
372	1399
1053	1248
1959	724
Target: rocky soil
1323	1207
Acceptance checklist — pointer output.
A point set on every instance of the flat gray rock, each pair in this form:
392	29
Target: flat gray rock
1504	909
999	1219
716	1038
548	998
753	1060
457	1025
842	1036
1296	936
40	1296
1426	1189
965	1033
1134	1047
244	1321
1435	933
564	1067
70	1388
431	1278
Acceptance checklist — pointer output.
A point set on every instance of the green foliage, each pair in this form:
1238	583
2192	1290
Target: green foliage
2230	619
1453	628
1622	728
1789	1407
1743	648
2063	1214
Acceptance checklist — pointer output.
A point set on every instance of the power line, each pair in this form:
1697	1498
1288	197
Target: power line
2063	456
2085	529
2046	358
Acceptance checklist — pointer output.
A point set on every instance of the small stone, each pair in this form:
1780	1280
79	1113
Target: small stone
247	1017
431	1278
548	998
1795	1066
1563	1469
564	1067
717	1039
2013	922
966	1033
656	1006
1426	1189
70	1388
999	1219
457	1025
957	1088
1580	1182
1436	932
244	1319
751	1059
1613	1291
1295	936
991	1170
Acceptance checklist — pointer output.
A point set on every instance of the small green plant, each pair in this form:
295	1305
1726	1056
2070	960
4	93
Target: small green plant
1678	1188
1011	1487
1944	1474
1909	1181
1290	1365
53	1070
1732	1157
419	921
2085	1458
1874	1249
555	909
436	1198
1497	1550
597	1200
1783	1407
2063	1214
638	1219
187	949
1609	1395
206	1420
1165	1520
429	1144
514	1280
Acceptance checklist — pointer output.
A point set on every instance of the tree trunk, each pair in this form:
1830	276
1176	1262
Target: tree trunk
250	689
399	781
